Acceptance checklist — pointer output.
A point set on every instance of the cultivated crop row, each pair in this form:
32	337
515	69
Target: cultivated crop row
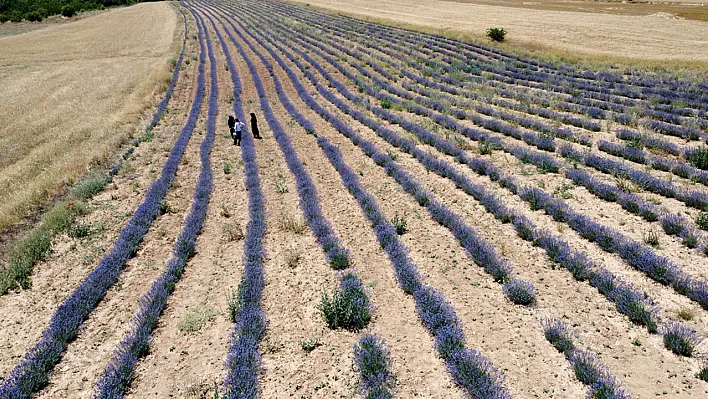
32	373
458	55
634	253
117	376
433	309
514	287
691	197
634	249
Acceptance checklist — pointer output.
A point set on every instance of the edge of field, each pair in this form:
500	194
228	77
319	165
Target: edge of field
13	236
535	50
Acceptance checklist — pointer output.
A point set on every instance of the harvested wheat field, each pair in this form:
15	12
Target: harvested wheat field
415	217
68	93
572	30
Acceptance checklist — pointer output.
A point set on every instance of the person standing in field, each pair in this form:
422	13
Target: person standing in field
232	123
254	126
238	128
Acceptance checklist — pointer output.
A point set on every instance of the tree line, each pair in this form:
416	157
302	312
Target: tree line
37	10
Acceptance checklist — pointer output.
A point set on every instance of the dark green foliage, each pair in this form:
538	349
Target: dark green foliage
703	373
702	221
636	143
79	231
486	147
496	34
68	11
699	158
34	16
147	137
36	10
652	238
310	345
16	16
164	208
385	103
349	306
62	216
34	248
399	222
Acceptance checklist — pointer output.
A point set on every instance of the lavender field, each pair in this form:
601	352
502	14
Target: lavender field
423	217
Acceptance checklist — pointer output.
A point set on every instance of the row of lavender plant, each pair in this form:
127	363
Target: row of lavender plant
696	156
32	373
117	376
374	363
693	198
672	224
647	141
650	263
162	106
471	370
371	354
634	154
585	364
602	278
243	358
667	87
455	50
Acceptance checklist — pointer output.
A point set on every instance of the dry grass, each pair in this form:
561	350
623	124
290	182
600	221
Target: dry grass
687	9
634	40
69	92
16	28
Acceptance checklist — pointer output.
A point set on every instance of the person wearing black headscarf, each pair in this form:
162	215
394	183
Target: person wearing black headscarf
232	124
254	126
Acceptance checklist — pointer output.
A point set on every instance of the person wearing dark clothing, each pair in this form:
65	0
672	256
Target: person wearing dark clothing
232	129
232	123
254	126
